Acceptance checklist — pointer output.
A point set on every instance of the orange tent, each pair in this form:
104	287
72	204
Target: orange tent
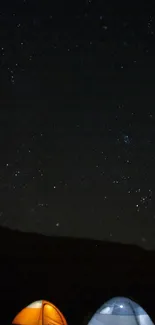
40	313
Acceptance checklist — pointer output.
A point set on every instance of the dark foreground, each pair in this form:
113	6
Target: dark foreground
76	275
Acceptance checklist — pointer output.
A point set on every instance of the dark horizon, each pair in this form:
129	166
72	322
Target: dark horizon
94	242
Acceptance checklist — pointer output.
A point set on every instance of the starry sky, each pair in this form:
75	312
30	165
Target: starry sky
77	119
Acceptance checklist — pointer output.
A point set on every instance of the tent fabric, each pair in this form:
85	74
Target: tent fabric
40	312
120	311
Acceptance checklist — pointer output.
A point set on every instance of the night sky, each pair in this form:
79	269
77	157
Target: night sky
77	119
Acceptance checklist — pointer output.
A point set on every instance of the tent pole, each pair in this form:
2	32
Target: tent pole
137	320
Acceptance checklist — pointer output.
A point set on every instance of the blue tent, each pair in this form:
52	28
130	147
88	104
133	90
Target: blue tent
120	311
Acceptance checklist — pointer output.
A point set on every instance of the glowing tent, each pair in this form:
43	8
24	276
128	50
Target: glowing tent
40	313
120	311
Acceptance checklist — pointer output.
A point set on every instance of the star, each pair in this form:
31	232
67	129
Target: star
78	149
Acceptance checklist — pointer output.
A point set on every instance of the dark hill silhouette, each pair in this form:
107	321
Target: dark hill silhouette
78	275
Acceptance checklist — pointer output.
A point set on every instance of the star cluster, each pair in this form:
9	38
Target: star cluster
77	120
